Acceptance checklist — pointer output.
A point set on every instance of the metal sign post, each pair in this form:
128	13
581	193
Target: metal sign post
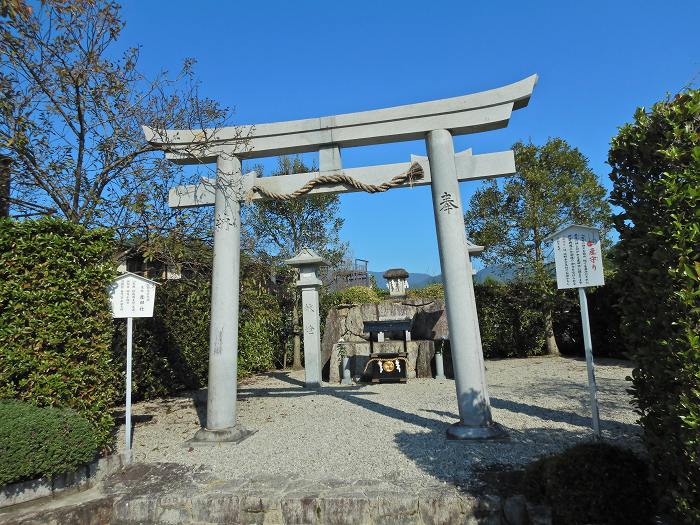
579	264
588	347
131	296
127	416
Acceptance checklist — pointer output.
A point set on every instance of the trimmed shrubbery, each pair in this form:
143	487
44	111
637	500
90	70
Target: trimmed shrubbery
430	291
512	318
55	320
511	321
42	442
355	295
656	182
171	349
592	483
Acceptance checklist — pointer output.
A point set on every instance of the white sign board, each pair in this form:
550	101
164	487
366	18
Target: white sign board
132	296
578	257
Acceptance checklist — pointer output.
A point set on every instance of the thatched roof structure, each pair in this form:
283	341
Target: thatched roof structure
395	273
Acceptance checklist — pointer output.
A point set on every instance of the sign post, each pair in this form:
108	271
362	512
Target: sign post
131	296
579	264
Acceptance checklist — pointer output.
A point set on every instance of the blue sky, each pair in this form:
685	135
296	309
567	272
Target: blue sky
597	62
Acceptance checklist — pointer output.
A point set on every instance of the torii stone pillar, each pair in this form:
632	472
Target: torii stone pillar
223	331
465	341
309	263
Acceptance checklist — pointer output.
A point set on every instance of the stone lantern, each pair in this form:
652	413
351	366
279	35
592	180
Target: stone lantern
309	264
396	281
473	249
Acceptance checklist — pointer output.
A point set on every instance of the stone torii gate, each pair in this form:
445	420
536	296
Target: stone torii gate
436	122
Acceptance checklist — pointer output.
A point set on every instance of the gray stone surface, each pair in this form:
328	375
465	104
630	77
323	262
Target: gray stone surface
392	431
467	356
380	447
471	113
309	263
515	510
168	493
223	331
96	509
425	351
83	478
469	167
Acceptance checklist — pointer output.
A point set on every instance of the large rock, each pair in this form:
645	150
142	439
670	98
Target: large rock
346	322
430	321
425	352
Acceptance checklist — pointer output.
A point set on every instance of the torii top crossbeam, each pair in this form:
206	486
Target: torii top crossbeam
483	111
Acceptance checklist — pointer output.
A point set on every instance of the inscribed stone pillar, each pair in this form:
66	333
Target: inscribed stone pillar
467	358
309	263
223	331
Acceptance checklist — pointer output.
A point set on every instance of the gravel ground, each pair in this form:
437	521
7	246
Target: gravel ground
391	431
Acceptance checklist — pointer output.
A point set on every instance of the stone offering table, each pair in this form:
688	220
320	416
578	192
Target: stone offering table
349	322
385	366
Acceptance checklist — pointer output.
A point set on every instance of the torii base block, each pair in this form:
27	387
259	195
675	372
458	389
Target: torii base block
205	438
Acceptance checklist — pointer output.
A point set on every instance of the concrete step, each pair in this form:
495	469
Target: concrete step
168	493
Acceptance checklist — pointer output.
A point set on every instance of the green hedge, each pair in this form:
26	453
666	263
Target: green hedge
42	442
55	319
171	349
604	318
511	317
656	182
431	291
592	483
511	321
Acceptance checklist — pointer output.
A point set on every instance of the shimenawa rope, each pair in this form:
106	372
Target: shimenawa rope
414	172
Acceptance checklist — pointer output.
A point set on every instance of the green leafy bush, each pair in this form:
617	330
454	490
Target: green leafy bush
592	483
430	291
260	326
604	318
356	295
37	442
656	182
351	295
55	319
171	349
511	320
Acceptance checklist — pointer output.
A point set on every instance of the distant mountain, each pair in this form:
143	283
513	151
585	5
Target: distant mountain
497	272
415	280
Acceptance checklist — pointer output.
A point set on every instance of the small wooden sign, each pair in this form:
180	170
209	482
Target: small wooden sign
132	296
578	257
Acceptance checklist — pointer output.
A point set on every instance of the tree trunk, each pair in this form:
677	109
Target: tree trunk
5	186
296	362
552	348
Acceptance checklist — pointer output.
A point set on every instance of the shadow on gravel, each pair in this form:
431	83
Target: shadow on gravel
351	395
462	463
473	465
551	414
